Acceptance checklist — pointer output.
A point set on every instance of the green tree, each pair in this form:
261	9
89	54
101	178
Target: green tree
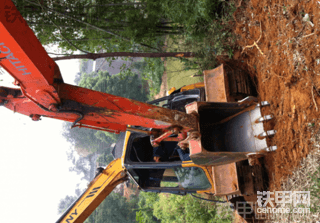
169	208
146	209
128	86
114	208
109	24
83	165
84	138
183	209
65	203
151	70
104	159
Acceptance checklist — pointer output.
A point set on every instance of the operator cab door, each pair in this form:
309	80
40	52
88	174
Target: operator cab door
169	178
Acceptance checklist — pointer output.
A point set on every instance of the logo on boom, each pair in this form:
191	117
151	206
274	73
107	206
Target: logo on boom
14	61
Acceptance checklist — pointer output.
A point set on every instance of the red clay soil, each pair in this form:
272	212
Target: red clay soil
286	69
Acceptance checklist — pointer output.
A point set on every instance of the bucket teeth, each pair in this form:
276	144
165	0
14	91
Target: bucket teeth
265	118
271	148
267	134
263	103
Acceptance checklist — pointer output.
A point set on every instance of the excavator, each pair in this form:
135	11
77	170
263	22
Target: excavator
218	123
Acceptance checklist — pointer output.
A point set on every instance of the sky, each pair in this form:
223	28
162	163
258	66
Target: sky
34	169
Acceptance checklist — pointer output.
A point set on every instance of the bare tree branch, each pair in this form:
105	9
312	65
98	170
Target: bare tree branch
95	56
84	39
70	26
118	4
60	54
61	32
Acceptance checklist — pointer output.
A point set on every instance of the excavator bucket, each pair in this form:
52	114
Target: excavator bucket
226	84
230	131
216	85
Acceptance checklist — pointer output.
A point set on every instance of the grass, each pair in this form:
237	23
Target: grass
207	38
177	74
206	31
177	78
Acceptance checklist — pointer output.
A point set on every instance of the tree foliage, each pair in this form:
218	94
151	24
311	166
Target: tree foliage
114	208
109	24
104	159
85	166
115	25
65	203
145	213
84	138
172	208
151	70
128	86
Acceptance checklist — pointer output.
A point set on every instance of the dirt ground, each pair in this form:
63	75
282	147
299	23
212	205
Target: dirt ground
285	66
279	46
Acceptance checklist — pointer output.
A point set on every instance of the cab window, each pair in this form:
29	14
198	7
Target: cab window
185	178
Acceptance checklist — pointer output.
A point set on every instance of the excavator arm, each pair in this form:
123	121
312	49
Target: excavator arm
44	94
101	186
25	59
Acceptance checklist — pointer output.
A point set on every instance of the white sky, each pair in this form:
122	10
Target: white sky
34	169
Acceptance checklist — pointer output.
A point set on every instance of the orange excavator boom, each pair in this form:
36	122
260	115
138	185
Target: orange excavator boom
43	92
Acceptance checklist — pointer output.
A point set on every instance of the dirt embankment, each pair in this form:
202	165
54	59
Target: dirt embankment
279	46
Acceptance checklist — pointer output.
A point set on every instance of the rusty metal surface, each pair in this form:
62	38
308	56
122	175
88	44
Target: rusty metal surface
225	179
236	133
195	147
216	85
245	172
239	81
229	132
216	158
101	110
156	142
126	111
